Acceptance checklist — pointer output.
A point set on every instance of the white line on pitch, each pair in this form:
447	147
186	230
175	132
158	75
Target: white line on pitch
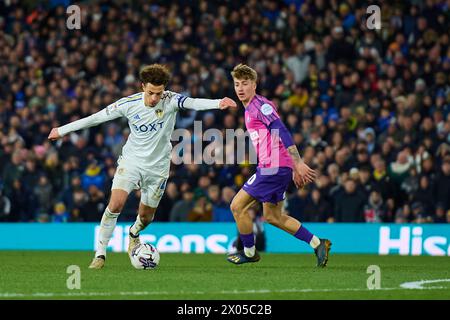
167	293
419	284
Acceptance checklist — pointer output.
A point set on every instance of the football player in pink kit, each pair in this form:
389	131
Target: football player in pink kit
278	164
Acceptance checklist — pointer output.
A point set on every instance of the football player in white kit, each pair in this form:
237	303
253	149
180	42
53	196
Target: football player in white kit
145	160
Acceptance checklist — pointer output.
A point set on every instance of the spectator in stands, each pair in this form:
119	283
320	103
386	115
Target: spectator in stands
202	210
214	195
383	182
365	181
44	194
317	208
66	195
31	173
80	197
403	214
60	214
349	206
442	184
439	214
425	195
398	171
296	204
181	208
93	176
222	211
54	170
5	206
375	210
93	209
13	171
411	184
418	213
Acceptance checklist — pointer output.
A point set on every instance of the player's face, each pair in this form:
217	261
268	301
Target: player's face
152	94
245	89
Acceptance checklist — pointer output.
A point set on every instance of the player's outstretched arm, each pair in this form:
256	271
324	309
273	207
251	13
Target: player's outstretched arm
226	103
111	112
201	104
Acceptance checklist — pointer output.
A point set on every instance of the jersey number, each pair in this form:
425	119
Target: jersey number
252	179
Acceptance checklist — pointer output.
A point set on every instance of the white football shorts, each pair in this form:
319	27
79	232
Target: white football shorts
130	177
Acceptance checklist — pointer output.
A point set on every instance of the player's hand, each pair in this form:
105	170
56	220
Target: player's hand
227	102
303	175
54	135
298	180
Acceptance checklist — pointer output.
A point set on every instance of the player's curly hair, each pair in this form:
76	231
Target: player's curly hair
156	74
244	72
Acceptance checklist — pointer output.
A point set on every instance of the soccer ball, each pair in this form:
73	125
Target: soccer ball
144	256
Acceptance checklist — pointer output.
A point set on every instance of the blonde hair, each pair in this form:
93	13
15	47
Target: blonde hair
244	72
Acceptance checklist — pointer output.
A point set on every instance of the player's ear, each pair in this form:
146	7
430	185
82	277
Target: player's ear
143	86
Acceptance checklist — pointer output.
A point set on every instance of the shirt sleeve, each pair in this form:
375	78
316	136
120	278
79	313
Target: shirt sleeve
283	132
267	114
183	102
111	112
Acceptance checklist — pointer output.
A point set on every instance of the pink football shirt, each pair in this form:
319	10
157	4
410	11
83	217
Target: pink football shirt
259	114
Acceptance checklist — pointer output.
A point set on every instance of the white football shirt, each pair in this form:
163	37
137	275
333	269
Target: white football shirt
148	145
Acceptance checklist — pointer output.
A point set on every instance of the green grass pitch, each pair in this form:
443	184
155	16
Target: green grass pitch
43	275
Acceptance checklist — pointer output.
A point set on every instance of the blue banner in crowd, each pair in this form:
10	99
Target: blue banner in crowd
406	239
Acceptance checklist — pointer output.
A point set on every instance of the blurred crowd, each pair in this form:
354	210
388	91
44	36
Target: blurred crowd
368	109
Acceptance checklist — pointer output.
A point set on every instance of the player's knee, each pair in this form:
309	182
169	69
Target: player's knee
236	209
273	220
115	206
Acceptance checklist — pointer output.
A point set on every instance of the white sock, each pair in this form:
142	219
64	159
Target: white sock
314	243
107	226
249	252
137	226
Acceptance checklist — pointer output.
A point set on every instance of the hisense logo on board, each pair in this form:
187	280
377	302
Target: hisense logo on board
411	241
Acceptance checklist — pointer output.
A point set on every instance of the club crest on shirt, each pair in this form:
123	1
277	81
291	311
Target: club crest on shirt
266	109
159	113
